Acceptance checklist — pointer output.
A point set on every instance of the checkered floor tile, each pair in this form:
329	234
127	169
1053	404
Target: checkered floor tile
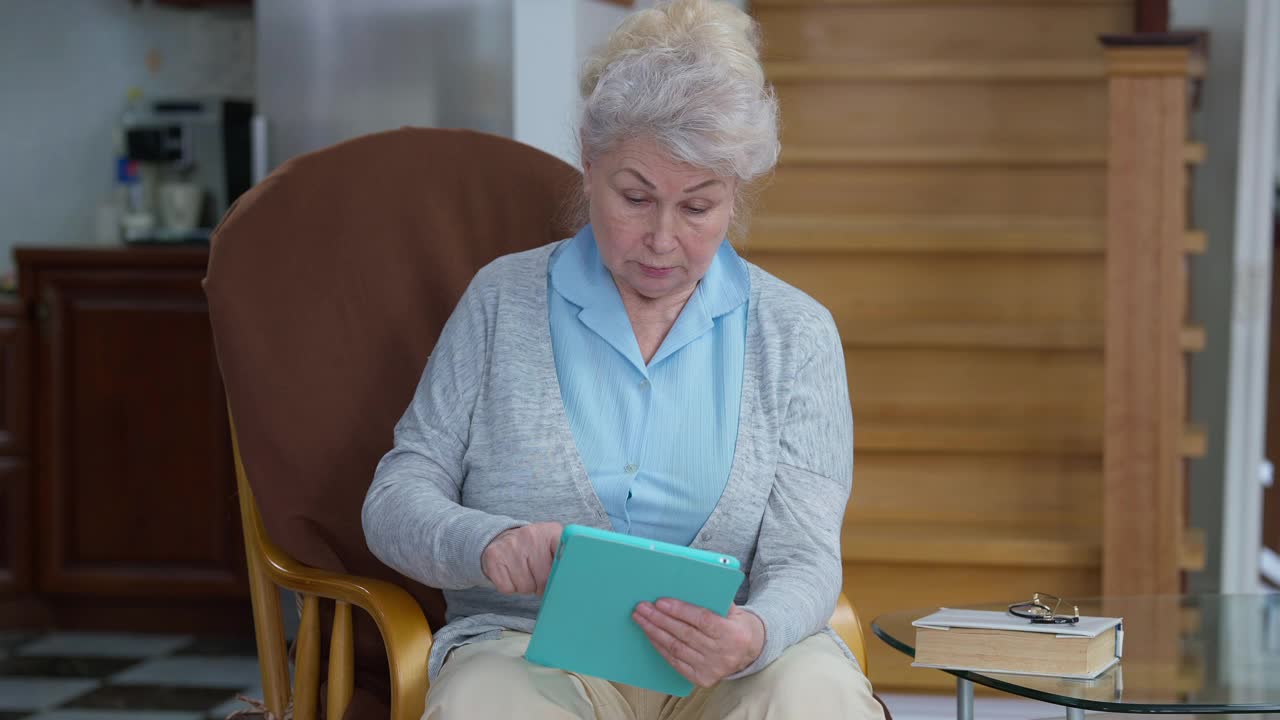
114	676
101	676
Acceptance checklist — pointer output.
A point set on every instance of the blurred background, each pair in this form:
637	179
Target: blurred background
1058	331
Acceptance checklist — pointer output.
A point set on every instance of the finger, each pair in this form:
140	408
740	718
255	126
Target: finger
676	659
707	622
502	579
690	634
664	639
535	566
542	569
554	531
697	677
522	577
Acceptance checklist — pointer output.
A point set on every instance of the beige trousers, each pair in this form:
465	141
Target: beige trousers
491	679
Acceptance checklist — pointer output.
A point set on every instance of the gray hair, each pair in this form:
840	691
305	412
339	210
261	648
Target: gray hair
686	74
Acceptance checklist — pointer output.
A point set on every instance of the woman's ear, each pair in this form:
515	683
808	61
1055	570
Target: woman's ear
586	177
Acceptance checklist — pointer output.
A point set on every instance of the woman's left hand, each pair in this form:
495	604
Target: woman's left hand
699	644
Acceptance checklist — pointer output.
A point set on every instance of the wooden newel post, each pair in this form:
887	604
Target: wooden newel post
1146	285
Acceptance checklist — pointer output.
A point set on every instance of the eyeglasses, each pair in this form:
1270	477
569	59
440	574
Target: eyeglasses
1043	608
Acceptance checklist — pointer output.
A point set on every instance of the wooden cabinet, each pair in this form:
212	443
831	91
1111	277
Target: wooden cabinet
15	566
133	489
15	532
11	381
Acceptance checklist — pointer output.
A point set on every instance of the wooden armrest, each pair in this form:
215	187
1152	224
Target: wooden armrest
399	618
397	614
847	625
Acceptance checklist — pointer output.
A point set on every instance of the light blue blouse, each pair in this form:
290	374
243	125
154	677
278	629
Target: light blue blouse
657	441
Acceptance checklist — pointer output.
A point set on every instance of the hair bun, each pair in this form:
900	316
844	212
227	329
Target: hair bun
706	30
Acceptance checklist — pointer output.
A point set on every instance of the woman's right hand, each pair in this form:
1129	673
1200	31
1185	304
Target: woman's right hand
518	561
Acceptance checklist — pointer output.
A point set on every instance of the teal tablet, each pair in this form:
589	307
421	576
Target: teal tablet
597	579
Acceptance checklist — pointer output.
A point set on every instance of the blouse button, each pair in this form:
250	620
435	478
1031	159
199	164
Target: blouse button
630	468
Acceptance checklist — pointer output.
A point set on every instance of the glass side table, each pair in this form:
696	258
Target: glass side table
1182	654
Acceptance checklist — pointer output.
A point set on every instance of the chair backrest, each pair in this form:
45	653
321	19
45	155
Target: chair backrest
328	284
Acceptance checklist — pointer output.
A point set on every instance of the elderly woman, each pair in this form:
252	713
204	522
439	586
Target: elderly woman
642	377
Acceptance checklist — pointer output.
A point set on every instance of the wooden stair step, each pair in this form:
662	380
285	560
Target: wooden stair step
1038	155
1189	620
953	32
834	111
1014	336
984	436
934	545
1197	241
998	385
920	488
924	234
978	436
1195	441
1195	153
913	184
829	3
932	234
973	335
945	155
1194	338
913	288
786	71
1191	555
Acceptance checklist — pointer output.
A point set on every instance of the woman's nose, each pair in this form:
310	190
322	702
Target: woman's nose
663	237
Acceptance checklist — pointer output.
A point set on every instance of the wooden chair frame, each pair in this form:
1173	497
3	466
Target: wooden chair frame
398	616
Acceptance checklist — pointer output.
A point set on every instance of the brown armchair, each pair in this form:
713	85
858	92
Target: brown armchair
328	285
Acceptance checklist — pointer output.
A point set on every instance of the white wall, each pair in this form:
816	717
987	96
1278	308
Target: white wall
1251	302
64	71
1217	124
545	84
597	19
1211	279
332	70
553	38
1225	377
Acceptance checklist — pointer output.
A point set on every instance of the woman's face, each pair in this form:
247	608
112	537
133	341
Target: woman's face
658	222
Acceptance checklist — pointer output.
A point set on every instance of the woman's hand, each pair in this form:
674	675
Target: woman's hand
518	560
702	646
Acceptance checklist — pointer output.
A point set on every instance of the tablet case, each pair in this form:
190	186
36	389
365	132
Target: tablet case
597	579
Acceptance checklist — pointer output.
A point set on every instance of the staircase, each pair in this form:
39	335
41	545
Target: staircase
942	190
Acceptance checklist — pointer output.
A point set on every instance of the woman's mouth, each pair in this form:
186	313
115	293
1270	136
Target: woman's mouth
656	272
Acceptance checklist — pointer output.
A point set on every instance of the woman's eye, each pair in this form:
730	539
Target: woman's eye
634	200
695	210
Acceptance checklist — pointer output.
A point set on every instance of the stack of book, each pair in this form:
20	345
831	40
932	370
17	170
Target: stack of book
990	641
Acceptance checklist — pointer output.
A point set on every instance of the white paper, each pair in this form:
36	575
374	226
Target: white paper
945	619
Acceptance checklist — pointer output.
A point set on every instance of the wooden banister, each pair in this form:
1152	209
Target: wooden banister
1151	16
1146	288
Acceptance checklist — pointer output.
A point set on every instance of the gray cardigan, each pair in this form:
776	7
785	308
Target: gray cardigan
485	446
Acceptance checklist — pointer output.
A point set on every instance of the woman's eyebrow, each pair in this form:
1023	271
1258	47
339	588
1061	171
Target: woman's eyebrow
703	184
651	186
640	177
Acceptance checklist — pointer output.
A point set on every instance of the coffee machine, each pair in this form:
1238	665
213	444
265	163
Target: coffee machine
189	160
